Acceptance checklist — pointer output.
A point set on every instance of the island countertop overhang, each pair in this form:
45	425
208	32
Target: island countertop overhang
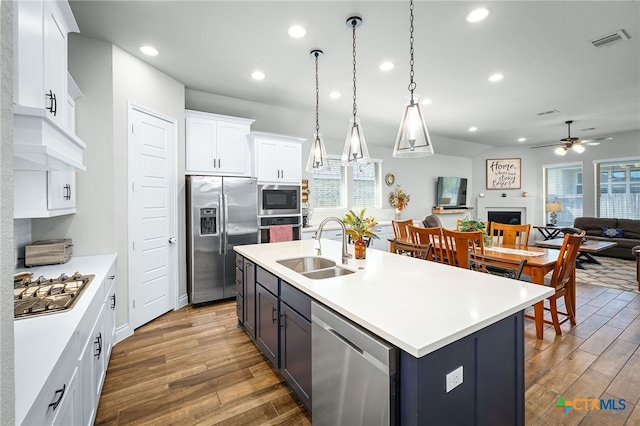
418	306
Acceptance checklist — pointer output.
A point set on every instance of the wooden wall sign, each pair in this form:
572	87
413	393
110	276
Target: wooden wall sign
503	173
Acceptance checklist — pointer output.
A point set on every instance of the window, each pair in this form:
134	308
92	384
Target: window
618	188
563	183
342	187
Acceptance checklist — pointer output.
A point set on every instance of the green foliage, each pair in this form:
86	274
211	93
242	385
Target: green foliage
359	226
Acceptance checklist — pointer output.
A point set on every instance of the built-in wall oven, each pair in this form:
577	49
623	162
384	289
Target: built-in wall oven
265	222
278	200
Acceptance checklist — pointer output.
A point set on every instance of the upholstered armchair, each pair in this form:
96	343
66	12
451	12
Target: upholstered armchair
636	253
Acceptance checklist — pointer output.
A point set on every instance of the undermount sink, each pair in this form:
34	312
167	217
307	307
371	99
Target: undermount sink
307	264
315	268
335	271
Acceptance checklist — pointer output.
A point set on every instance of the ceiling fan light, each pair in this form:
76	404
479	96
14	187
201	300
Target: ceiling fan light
578	148
561	150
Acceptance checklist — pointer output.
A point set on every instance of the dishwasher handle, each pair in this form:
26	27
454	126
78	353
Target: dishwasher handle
344	339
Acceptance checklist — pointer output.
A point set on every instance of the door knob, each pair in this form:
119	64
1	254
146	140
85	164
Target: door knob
172	240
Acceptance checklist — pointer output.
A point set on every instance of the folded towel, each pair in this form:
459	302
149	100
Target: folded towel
278	233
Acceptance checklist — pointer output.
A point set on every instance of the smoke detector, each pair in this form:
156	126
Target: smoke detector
609	39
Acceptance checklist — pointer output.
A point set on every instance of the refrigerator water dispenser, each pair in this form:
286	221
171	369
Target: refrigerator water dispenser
208	222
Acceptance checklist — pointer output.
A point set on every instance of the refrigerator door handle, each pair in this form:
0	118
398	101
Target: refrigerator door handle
226	223
220	225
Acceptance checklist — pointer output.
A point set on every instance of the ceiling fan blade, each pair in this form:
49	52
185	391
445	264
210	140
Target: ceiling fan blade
607	138
547	146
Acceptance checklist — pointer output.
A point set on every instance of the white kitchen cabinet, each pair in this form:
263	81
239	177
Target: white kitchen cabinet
217	144
40	194
278	158
43	137
91	362
382	242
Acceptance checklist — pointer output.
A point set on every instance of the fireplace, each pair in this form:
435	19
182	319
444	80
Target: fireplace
508	217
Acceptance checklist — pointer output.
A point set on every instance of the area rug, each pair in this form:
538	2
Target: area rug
612	273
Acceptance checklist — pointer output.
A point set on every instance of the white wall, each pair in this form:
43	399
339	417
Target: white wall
110	78
7	394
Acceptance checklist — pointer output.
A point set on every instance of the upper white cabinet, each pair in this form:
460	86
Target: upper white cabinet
44	138
40	194
278	158
217	144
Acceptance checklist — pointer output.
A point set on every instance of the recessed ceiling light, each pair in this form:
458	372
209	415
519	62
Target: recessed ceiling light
426	102
297	31
334	95
477	15
496	77
473	128
386	66
258	75
148	50
522	139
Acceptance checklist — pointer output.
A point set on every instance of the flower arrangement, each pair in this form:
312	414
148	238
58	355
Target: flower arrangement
470	225
398	198
359	226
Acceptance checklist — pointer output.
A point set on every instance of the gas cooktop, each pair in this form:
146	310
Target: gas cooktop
45	296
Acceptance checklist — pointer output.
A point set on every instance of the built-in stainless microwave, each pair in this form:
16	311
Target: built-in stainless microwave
278	199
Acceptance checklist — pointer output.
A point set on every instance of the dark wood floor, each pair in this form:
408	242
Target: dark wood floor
194	366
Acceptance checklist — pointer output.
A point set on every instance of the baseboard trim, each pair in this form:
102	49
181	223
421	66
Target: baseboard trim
122	333
182	301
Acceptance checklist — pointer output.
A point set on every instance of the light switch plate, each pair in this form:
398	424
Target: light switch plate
454	379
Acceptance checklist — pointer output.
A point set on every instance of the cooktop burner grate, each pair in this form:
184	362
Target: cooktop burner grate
45	296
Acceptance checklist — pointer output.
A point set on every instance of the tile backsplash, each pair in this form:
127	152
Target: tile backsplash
21	237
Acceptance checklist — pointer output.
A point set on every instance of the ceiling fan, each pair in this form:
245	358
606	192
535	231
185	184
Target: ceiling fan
573	142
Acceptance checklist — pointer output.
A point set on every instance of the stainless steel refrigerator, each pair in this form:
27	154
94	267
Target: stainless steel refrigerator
222	213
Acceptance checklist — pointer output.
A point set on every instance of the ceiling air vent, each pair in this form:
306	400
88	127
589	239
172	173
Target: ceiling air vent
551	111
609	39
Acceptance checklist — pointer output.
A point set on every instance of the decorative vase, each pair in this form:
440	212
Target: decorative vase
398	211
360	249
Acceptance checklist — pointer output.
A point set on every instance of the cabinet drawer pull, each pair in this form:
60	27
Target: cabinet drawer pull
281	320
274	315
98	342
113	301
53	104
67	192
55	403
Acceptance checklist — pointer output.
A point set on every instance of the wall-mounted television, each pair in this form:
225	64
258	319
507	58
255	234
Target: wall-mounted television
451	192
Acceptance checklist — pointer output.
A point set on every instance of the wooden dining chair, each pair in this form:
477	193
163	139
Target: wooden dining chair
419	251
431	236
563	281
458	244
495	266
400	228
504	234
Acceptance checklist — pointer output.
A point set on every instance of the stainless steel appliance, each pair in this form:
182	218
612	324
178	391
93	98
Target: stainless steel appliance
354	373
278	200
221	213
46	296
268	221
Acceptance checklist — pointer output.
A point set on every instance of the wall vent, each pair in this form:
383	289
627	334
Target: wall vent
551	111
609	39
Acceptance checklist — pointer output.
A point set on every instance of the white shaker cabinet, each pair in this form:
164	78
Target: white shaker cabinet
278	158
43	135
217	144
39	194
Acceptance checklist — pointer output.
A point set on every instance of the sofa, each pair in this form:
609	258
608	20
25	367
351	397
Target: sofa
625	232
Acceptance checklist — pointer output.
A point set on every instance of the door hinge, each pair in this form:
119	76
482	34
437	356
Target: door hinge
133	245
134	303
132	127
133	186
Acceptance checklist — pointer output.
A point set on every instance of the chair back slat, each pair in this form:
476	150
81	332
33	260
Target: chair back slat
504	234
419	251
431	236
400	228
566	264
458	244
495	266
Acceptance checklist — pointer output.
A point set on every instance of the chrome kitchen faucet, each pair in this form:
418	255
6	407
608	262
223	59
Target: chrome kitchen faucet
345	255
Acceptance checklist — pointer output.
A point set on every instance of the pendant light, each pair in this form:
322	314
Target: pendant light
413	137
318	154
355	146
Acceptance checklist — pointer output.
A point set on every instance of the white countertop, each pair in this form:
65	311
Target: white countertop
418	306
39	341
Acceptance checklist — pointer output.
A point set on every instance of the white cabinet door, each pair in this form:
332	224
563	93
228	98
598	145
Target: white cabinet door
382	242
61	190
91	367
231	148
201	145
268	161
290	162
110	315
55	60
69	412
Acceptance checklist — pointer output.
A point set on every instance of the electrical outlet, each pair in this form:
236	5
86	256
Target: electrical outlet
454	379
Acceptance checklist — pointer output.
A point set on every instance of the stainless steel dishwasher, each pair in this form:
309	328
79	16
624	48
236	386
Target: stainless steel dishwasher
354	373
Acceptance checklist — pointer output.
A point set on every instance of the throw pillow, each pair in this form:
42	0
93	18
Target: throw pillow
612	232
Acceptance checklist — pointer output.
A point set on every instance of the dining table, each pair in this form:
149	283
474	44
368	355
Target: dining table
540	261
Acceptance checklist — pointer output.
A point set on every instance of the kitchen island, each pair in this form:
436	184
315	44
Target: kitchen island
438	316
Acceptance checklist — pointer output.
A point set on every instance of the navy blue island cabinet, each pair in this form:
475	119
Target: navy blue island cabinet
277	317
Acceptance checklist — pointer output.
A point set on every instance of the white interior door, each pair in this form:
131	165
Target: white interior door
153	255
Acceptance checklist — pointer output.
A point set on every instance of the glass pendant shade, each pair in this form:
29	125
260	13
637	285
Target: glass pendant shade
413	136
355	146
317	155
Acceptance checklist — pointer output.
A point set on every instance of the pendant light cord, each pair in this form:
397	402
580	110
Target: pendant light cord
412	84
317	54
354	23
